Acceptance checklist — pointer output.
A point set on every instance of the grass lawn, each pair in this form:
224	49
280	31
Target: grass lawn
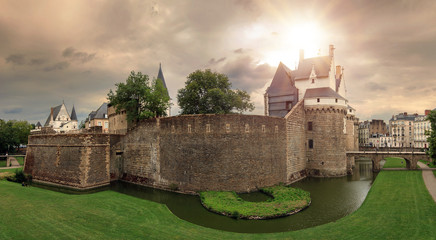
2	163
20	160
10	170
392	162
286	200
398	206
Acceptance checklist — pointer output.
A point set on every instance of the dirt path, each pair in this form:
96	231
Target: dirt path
429	179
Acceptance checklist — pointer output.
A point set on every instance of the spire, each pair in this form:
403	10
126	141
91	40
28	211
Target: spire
73	114
161	77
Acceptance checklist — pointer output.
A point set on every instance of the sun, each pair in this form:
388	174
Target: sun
307	36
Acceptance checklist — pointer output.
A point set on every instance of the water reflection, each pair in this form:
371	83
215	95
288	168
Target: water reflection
332	198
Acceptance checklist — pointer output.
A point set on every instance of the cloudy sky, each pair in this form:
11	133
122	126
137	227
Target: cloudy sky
75	51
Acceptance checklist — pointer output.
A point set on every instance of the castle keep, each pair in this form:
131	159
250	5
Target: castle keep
307	133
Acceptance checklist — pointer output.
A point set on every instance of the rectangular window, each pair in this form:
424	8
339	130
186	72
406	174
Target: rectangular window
317	100
99	123
336	100
310	143
309	126
106	125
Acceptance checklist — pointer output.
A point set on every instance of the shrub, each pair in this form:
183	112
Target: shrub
235	215
20	177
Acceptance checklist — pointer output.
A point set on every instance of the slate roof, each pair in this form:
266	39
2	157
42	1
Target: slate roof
73	114
322	92
282	83
38	124
55	114
161	77
322	67
100	113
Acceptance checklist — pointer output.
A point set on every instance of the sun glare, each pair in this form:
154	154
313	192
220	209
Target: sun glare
306	36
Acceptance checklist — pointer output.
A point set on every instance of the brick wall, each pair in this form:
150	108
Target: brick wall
296	158
76	160
327	157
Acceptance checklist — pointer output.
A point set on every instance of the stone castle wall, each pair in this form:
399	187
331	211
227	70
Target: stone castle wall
75	160
200	152
296	158
207	152
327	157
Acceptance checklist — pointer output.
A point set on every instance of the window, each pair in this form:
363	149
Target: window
317	100
310	143
336	100
313	80
247	128
227	127
189	128
207	128
106	125
99	123
288	105
309	126
263	128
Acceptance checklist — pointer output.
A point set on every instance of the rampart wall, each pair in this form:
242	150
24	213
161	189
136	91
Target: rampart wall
296	147
75	160
207	152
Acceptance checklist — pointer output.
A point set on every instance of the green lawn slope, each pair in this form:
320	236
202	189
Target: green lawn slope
398	206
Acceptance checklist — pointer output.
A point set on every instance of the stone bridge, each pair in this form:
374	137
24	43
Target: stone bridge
376	156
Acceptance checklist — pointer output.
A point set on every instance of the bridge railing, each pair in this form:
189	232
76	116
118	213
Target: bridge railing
391	149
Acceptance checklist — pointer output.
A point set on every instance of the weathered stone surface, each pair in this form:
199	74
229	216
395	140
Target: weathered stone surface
75	160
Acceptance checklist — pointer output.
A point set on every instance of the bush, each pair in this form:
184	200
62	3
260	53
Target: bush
20	177
235	215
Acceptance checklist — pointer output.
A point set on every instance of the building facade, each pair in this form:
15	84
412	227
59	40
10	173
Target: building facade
60	120
401	129
98	118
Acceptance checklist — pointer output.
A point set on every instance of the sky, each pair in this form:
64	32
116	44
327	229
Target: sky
76	51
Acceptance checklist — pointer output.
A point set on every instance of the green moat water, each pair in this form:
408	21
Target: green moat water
332	199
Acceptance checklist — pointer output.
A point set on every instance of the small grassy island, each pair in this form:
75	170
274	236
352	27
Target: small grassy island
285	201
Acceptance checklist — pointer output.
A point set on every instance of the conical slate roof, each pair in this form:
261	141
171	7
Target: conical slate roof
73	114
161	77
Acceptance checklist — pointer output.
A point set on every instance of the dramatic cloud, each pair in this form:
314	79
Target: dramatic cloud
74	55
17	59
77	50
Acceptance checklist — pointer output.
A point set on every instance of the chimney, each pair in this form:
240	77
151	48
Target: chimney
51	114
331	50
301	55
427	112
338	71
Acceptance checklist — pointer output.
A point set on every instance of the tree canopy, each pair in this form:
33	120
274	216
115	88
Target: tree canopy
139	97
431	139
12	134
210	92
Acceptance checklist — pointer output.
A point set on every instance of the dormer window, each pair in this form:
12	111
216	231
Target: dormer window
313	80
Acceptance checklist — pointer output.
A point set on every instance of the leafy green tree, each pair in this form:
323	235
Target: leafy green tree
210	92
140	98
82	123
431	139
12	134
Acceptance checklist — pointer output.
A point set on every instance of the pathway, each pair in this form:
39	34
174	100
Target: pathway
429	179
14	163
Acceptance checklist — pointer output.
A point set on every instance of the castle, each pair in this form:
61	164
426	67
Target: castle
307	132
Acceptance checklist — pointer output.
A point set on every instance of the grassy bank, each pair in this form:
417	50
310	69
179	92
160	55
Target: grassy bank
286	201
398	206
392	162
429	164
12	170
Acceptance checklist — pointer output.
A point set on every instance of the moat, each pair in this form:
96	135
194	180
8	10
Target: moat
332	199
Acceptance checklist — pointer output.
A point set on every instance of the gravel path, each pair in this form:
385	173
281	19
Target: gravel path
429	179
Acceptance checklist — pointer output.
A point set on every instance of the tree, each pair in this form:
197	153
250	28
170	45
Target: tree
140	98
210	92
12	134
431	139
